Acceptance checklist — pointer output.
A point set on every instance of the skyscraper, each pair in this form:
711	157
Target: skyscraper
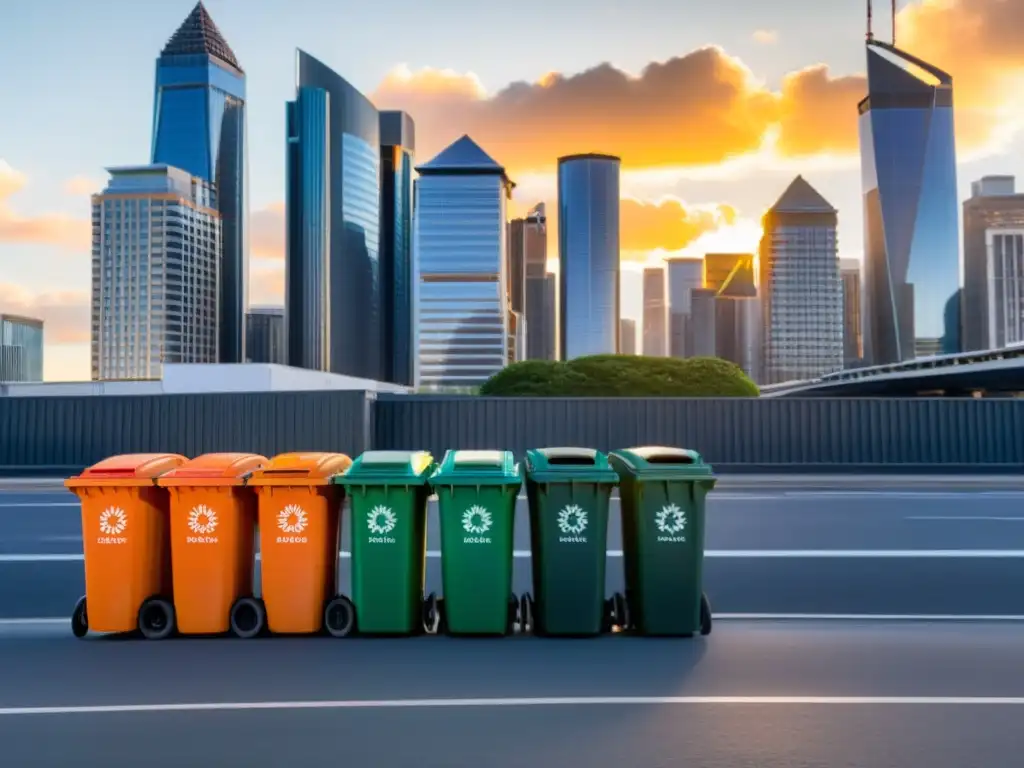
199	126
333	314
627	336
655	328
801	294
908	165
156	248
588	252
464	325
993	298
397	150
21	348
853	345
730	274
541	317
264	330
684	276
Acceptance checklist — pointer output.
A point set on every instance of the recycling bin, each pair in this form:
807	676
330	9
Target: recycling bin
663	492
213	542
387	493
568	491
477	493
299	514
125	541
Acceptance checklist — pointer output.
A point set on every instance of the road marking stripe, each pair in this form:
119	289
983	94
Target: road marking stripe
971	518
30	504
559	701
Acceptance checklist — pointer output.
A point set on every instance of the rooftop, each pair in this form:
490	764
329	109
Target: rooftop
198	34
463	154
801	197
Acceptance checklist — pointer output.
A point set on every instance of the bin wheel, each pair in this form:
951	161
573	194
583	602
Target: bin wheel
705	615
156	618
526	613
608	616
513	614
80	619
620	612
340	617
248	617
434	622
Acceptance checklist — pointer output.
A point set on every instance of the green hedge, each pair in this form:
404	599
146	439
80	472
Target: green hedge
622	376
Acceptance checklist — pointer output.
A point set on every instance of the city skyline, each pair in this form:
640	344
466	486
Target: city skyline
49	273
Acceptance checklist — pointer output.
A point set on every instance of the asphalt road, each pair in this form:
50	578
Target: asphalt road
892	546
766	694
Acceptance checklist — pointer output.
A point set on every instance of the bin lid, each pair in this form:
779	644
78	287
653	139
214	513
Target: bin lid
388	468
478	468
302	469
546	465
659	462
129	469
214	469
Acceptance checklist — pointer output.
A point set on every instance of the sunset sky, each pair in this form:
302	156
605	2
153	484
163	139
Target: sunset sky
713	107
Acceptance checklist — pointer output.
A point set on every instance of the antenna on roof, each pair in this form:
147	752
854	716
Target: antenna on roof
871	35
894	23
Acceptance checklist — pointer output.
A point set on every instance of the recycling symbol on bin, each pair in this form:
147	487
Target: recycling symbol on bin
476	520
381	520
202	519
113	521
670	519
572	519
292	519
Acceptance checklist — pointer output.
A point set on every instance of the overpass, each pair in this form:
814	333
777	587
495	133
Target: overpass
989	373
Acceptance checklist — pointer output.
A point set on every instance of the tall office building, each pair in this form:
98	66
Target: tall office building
517	265
541	288
853	344
588	252
683	276
156	248
801	294
701	323
21	349
397	151
993	297
730	274
464	325
264	331
333	314
655	328
908	165
199	126
627	336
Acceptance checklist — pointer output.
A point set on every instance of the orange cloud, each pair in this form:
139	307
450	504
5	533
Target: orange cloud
82	186
766	36
266	232
668	224
48	229
65	314
266	284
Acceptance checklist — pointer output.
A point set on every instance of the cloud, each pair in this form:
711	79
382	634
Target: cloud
668	224
47	229
81	186
266	283
766	36
266	232
65	314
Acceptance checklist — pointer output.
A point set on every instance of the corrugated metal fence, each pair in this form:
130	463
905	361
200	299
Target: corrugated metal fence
59	434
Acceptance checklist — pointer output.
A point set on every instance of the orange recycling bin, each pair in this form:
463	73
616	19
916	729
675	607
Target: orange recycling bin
299	515
213	542
125	540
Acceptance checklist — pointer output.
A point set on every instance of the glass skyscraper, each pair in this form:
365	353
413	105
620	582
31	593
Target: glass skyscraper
21	349
264	330
912	276
397	149
588	252
199	127
333	313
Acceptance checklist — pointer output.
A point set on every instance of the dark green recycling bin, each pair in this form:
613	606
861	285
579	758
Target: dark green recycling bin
663	492
568	491
477	493
388	492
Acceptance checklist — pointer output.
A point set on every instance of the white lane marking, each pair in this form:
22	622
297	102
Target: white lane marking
553	701
923	617
35	622
31	504
1007	519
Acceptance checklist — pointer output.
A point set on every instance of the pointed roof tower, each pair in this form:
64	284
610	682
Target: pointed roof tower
462	155
198	34
801	197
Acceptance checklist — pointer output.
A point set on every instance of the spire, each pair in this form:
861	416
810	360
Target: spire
198	34
801	197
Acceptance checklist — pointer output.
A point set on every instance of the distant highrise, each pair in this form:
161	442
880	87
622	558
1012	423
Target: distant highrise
156	247
801	294
655	327
21	349
701	323
683	276
730	274
541	287
588	252
853	345
627	336
993	298
333	314
199	126
908	165
264	329
397	149
517	265
465	327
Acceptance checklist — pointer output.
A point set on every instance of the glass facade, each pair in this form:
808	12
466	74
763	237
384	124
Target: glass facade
264	330
588	251
655	309
540	288
683	277
199	126
912	273
21	349
333	237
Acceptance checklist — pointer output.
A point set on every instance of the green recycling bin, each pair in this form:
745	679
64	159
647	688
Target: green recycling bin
568	491
663	492
388	492
477	493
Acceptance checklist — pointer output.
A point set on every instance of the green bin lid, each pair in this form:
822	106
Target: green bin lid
477	468
388	468
658	462
547	465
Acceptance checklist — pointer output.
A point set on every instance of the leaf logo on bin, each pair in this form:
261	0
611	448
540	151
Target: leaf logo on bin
477	520
572	520
113	521
202	519
671	520
381	520
292	519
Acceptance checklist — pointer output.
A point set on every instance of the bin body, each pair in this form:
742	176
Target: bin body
568	491
213	534
477	493
387	492
299	514
663	493
125	537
